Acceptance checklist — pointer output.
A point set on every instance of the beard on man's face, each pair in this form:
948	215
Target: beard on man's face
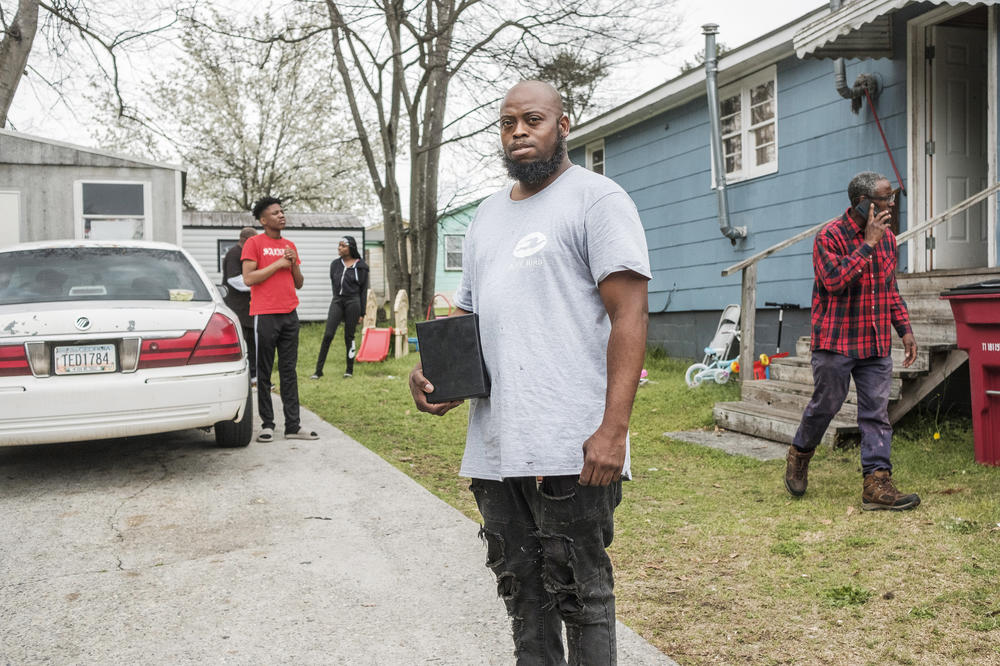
537	171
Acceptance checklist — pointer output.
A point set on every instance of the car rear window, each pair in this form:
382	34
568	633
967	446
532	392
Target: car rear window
98	274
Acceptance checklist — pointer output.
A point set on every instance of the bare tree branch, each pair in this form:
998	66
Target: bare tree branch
397	61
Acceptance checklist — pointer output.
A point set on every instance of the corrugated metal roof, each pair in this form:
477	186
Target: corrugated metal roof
38	150
858	29
238	219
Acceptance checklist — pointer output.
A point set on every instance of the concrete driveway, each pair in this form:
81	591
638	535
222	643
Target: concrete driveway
167	550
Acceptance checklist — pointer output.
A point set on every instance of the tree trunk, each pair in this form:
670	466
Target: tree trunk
385	183
428	212
395	241
425	147
14	50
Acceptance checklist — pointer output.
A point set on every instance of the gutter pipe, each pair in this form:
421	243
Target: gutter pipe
839	69
715	121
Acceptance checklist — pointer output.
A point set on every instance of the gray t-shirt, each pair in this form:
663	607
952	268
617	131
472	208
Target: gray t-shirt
530	271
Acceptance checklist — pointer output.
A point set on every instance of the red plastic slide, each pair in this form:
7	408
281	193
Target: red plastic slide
374	345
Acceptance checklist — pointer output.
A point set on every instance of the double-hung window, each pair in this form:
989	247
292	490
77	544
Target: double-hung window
453	252
749	112
113	210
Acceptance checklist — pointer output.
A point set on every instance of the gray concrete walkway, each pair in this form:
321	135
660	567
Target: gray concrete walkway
734	443
170	551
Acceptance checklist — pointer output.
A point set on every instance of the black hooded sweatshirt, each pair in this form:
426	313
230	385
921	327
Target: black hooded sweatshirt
351	281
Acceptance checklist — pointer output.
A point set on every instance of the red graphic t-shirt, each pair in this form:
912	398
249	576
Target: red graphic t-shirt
276	294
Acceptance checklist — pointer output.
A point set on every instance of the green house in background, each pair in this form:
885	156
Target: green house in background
451	232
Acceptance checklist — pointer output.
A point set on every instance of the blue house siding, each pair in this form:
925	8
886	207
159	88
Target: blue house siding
821	145
664	164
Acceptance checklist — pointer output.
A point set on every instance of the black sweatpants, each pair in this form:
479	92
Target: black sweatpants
250	337
278	332
345	309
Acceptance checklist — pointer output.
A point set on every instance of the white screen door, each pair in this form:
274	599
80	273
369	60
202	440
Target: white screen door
958	130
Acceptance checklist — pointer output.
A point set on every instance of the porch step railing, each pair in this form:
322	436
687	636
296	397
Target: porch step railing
748	294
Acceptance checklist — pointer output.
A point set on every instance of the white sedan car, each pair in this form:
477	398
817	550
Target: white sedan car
102	339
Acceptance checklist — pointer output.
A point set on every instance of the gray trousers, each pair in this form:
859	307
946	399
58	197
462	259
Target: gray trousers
832	378
547	545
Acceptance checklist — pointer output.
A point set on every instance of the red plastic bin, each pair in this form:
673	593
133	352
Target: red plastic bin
977	321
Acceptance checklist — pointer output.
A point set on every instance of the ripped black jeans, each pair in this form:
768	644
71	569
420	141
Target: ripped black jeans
546	543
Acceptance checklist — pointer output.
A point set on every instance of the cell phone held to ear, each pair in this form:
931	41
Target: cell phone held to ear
863	208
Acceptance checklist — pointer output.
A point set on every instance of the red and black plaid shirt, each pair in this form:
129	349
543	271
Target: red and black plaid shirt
855	299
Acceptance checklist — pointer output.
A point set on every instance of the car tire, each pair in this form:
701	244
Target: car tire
236	434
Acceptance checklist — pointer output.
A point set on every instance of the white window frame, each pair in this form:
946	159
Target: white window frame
593	148
220	255
461	250
147	202
743	88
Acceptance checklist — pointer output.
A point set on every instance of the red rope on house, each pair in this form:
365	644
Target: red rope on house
885	141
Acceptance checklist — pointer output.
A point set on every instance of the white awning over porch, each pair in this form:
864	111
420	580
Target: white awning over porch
859	28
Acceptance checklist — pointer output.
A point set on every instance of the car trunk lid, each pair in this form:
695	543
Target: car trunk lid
103	319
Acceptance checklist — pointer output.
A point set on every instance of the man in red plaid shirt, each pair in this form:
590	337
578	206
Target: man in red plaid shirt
855	306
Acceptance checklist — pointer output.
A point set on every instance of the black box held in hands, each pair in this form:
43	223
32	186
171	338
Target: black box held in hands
452	358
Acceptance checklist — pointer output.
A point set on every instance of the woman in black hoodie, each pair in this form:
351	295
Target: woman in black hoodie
349	275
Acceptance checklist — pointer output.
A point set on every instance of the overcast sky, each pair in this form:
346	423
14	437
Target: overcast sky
739	21
36	111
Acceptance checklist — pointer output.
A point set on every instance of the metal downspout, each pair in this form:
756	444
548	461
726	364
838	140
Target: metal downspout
839	69
712	83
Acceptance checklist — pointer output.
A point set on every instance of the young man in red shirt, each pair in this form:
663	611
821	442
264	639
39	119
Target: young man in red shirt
271	270
855	307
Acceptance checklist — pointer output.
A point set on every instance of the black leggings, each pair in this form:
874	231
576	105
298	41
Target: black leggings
345	309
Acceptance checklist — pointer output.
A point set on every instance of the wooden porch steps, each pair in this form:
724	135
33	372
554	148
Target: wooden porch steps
772	408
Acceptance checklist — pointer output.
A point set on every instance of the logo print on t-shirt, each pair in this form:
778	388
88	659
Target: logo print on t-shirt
529	245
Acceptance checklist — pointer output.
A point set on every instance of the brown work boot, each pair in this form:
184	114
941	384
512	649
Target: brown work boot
880	495
797	470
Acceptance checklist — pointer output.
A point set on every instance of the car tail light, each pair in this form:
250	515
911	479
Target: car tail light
219	342
13	361
164	352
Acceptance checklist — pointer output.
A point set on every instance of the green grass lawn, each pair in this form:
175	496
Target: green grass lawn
714	562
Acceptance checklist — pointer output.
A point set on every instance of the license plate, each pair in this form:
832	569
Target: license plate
85	359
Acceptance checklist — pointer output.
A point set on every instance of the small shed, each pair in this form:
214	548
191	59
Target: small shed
50	190
209	235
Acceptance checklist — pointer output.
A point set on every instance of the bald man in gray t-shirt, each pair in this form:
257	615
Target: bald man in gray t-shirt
556	267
